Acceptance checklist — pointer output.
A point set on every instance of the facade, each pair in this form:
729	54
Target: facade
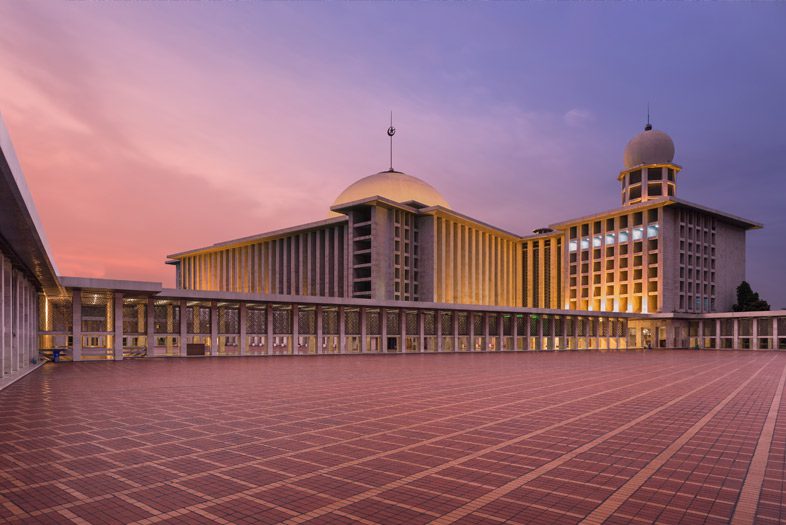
394	269
392	236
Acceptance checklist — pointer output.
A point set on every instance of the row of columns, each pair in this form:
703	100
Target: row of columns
736	337
518	341
18	315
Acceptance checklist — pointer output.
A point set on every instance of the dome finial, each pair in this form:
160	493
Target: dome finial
391	132
648	127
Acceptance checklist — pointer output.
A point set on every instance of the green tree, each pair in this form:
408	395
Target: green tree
748	300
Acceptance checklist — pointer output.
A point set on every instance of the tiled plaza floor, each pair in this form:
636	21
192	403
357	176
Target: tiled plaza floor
667	437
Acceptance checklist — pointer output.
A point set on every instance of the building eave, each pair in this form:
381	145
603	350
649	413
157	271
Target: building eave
20	226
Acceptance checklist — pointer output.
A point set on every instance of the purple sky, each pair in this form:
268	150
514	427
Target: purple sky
146	128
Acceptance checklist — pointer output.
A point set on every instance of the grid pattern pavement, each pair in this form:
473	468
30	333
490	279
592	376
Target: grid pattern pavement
630	437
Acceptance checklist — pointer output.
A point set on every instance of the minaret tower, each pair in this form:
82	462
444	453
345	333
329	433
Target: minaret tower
650	172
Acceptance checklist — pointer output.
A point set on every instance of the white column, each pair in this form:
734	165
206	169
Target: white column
514	331
183	328
269	329
540	333
736	340
402	326
295	329
318	313
2	316
213	328
76	317
755	334
485	345
150	325
775	335
243	315
717	334
383	324
421	331
471	321
15	323
700	335
342	337
118	335
455	331
500	331
438	329
363	343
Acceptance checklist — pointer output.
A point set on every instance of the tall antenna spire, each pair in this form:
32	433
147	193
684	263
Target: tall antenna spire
391	132
648	126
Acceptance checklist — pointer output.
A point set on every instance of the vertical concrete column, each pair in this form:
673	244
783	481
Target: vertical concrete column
421	332
213	328
717	333
700	335
184	328
438	329
755	334
500	332
736	333
526	332
243	317
363	342
576	334
150	325
295	329
485	331
76	319
402	326
318	313
471	322
514	331
118	335
269	329
455	331
3	307
540	333
15	311
342	331
383	325
775	335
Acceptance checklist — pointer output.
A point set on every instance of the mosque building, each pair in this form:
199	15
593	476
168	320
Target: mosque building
395	269
392	236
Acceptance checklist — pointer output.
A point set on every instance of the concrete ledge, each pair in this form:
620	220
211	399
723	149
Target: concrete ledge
8	381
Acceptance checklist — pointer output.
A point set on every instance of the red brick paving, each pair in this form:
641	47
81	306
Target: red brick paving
667	437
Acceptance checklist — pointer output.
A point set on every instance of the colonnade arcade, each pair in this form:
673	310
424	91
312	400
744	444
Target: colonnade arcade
106	324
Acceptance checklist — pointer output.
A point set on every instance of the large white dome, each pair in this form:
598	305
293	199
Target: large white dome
393	185
649	147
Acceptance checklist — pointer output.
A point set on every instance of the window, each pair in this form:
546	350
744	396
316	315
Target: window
634	177
634	193
654	173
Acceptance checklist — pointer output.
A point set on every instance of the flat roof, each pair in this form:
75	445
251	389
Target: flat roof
654	203
261	236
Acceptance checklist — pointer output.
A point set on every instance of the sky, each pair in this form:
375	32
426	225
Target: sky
145	128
